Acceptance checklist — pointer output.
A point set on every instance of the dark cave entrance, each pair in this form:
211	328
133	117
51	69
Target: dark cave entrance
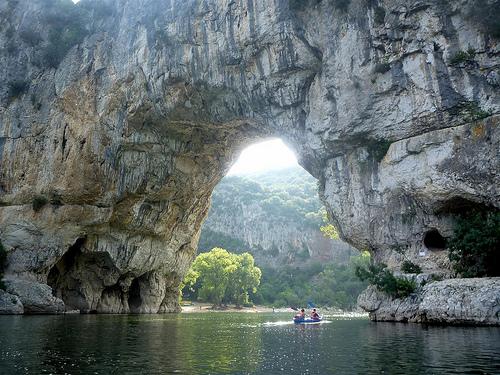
134	296
64	287
79	277
434	241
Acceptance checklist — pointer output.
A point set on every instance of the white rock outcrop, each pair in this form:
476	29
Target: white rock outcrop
10	304
35	298
452	301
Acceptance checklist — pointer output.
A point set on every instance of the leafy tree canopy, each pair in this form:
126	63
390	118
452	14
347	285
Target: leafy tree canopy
223	277
328	284
475	246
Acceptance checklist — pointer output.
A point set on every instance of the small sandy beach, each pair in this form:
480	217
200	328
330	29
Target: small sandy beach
207	307
201	307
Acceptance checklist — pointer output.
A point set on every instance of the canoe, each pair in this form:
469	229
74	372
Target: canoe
306	321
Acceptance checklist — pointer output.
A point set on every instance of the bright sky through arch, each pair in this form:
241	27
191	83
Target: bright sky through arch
268	155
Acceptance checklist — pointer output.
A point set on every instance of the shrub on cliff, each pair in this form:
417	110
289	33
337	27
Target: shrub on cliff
328	229
38	202
380	276
463	56
410	267
474	249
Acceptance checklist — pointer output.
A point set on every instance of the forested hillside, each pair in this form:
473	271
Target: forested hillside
275	215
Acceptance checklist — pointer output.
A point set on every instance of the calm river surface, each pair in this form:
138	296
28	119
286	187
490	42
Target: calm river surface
239	343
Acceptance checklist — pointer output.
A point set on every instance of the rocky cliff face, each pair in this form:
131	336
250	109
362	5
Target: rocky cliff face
453	301
273	215
118	119
273	242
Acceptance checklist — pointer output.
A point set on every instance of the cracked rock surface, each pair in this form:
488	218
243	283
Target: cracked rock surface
453	301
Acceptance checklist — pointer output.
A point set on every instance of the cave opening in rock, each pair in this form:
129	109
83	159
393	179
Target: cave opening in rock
63	287
459	206
77	293
134	296
433	240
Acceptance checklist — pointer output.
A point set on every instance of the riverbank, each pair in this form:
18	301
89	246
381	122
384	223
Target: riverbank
201	307
197	307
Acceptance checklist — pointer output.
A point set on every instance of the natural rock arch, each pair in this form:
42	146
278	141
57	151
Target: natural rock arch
127	136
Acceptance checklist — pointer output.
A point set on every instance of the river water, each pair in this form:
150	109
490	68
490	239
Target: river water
239	343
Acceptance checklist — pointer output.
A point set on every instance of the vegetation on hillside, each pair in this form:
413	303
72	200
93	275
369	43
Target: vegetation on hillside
323	284
385	281
288	195
210	239
474	249
220	278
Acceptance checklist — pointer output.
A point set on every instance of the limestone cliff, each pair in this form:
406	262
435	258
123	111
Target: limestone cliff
453	301
274	215
118	118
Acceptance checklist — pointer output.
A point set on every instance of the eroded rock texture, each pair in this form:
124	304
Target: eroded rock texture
453	301
128	134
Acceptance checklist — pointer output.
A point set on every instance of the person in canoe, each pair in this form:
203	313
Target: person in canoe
315	315
300	315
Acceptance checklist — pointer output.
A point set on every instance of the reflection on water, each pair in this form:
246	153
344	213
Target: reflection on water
222	343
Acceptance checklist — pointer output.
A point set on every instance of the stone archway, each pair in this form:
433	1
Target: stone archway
125	138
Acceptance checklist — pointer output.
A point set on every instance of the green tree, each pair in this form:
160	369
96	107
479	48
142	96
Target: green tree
325	284
188	282
244	279
475	246
214	268
328	228
221	276
385	281
329	231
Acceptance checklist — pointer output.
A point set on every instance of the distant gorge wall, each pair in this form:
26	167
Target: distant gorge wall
118	118
273	241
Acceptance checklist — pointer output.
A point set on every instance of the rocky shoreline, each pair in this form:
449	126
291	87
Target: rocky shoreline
474	301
